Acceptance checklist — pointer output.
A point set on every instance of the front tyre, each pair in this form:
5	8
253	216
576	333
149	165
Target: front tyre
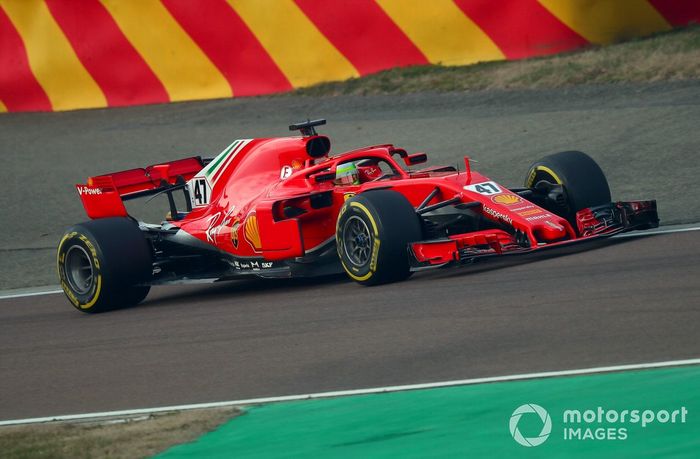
101	264
372	236
582	178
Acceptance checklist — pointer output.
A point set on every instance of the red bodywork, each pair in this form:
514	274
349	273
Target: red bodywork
271	199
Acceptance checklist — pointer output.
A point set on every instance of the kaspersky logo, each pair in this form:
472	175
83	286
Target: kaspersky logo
530	408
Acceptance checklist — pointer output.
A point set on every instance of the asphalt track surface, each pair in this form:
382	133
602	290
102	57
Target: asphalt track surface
627	301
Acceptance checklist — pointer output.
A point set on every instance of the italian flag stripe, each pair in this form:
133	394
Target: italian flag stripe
219	159
229	158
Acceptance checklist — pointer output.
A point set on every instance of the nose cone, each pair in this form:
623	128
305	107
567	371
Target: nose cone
550	231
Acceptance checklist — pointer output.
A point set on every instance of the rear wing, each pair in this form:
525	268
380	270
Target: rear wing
104	195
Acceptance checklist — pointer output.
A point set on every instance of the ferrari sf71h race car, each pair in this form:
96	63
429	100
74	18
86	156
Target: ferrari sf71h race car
282	207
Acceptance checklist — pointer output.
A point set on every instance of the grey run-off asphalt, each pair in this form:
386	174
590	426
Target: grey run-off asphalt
645	137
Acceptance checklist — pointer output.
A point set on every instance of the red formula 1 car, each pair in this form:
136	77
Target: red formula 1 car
282	207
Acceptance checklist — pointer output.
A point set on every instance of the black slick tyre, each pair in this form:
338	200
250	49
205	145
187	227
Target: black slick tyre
103	264
372	236
583	180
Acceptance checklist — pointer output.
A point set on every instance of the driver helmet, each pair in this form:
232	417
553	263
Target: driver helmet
347	174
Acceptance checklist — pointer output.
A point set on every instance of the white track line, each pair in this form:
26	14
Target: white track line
52	290
657	231
343	393
22	295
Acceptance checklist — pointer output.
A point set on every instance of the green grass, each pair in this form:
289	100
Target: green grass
669	56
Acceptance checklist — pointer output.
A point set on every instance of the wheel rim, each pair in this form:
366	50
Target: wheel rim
79	269
357	241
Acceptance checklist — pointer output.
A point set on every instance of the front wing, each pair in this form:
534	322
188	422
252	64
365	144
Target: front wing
592	223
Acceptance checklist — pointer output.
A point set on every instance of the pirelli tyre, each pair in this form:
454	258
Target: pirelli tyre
372	235
103	263
584	181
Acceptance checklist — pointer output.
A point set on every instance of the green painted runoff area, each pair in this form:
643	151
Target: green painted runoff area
472	421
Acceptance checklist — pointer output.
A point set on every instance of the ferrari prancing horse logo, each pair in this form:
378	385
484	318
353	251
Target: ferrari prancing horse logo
234	233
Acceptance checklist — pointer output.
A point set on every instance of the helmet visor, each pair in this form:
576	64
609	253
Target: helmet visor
347	174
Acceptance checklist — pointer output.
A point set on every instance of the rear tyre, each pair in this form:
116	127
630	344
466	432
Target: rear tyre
101	264
372	236
583	180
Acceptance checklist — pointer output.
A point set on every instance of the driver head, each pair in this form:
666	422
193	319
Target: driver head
347	174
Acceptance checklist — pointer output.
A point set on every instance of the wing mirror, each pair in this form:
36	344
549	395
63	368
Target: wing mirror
416	158
324	176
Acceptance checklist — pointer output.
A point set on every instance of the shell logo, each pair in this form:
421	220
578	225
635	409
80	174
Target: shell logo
506	199
252	233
